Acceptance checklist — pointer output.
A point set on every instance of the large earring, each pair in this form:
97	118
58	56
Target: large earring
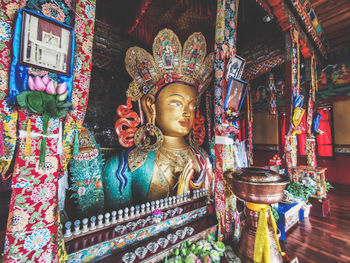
148	138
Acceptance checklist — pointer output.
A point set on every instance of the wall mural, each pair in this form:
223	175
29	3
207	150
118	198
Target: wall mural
334	80
261	94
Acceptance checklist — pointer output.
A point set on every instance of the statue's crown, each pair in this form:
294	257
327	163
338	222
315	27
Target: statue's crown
169	64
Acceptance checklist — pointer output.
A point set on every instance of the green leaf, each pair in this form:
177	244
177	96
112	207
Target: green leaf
45	205
37	253
38	226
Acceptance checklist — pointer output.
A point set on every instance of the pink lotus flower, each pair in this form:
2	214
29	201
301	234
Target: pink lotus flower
31	83
46	79
39	84
50	88
62	88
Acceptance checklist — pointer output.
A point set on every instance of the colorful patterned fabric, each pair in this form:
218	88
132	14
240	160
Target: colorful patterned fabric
250	126
84	32
290	143
310	141
32	231
32	223
8	11
225	44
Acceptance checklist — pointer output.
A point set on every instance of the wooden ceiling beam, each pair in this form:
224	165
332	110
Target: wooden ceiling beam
332	13
316	3
336	27
335	34
340	46
336	20
343	39
330	6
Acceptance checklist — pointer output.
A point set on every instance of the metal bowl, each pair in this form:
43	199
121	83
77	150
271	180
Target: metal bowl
257	185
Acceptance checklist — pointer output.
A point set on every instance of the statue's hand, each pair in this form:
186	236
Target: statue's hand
185	177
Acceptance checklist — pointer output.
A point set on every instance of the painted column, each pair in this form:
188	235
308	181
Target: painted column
225	46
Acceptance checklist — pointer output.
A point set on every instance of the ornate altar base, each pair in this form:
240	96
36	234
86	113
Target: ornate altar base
103	242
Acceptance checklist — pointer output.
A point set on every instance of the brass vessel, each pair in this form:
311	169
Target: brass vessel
260	186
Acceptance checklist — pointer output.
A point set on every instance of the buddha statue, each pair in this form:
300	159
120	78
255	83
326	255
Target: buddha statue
163	159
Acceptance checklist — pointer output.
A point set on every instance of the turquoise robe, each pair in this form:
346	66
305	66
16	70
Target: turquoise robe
137	183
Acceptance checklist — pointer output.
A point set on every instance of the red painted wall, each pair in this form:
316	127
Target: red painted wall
338	167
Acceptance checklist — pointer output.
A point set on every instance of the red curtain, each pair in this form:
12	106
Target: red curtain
283	133
324	141
302	136
242	130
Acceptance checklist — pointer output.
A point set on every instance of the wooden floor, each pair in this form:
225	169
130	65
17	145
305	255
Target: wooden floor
323	239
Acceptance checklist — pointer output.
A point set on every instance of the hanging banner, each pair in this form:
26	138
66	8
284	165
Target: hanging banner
311	140
291	143
84	31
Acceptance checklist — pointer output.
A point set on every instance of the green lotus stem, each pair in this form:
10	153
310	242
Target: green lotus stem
43	141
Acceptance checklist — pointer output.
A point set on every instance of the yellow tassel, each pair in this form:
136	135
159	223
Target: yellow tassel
262	242
28	145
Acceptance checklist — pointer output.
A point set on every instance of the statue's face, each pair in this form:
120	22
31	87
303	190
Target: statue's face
175	109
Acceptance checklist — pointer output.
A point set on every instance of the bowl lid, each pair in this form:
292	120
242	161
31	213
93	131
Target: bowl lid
255	175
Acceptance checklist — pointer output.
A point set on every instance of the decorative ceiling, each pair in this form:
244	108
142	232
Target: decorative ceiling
327	21
334	17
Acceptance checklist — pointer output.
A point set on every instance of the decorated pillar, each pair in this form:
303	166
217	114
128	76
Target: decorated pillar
293	118
225	46
250	126
310	138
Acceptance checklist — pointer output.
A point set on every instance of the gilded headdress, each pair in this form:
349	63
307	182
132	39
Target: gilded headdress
169	63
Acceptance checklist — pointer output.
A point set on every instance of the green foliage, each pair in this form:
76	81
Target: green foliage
328	186
86	177
199	251
275	213
304	191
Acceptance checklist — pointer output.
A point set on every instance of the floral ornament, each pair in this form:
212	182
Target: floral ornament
5	31
43	192
7	107
145	89
84	84
11	10
50	215
3	79
87	46
46	257
50	166
207	246
5	57
37	239
53	123
81	191
90	11
53	11
215	256
80	26
18	220
77	63
6	245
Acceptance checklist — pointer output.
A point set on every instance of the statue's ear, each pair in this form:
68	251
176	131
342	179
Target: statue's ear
149	107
